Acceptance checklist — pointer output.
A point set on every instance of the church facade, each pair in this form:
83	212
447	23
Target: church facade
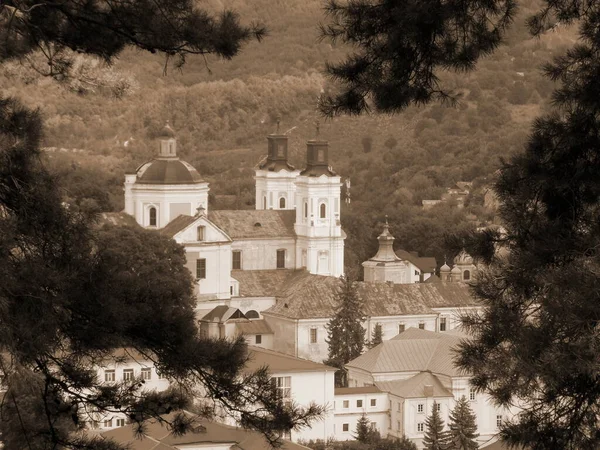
296	224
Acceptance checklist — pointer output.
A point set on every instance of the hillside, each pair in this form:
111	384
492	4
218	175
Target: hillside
222	111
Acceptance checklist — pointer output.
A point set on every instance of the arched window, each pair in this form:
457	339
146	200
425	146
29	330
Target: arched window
282	203
252	314
323	211
306	209
152	216
466	275
264	202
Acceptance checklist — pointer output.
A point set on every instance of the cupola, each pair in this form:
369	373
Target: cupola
386	245
277	156
317	158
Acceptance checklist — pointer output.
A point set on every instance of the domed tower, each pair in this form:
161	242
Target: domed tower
445	273
275	176
164	188
320	239
386	265
463	262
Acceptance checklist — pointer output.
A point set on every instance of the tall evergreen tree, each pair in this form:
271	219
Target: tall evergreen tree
345	333
463	427
376	336
436	438
364	432
534	342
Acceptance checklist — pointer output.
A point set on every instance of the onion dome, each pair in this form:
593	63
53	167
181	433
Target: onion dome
445	268
168	171
455	270
386	246
463	258
167	131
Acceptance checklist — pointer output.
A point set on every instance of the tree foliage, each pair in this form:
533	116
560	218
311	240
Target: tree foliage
72	293
364	433
376	336
345	333
463	426
436	438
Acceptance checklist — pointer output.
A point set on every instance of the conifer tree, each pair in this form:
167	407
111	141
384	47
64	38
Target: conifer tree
376	336
436	438
463	427
364	432
345	333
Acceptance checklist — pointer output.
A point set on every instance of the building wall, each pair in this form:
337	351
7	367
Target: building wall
272	186
390	325
257	304
284	331
377	414
217	283
261	254
266	340
412	417
318	351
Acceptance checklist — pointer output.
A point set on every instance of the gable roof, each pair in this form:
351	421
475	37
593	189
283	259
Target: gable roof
178	224
425	264
254	327
255	224
116	218
413	350
414	387
357	390
156	436
222	313
281	362
308	296
261	283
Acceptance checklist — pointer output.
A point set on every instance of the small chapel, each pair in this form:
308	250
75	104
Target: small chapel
296	224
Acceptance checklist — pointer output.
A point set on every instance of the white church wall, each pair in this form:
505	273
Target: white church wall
261	254
390	325
258	304
315	351
284	331
216	284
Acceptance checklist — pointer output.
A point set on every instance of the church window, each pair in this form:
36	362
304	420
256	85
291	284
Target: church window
236	260
152	216
422	325
466	275
258	339
401	327
282	203
252	314
201	268
305	209
313	335
442	324
200	233
323	211
281	259
264	202
171	148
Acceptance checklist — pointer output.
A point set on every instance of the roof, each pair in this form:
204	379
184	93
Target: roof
178	224
425	264
414	387
222	313
116	218
413	350
309	296
167	171
158	437
261	283
167	131
255	224
254	327
281	362
357	390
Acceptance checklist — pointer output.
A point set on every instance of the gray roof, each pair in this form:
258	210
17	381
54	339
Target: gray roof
222	313
262	283
255	224
167	171
414	387
281	362
178	224
254	327
424	263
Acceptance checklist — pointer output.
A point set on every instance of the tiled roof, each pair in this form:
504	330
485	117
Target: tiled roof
178	224
425	264
281	362
116	218
261	283
307	296
357	390
250	223
158	437
254	327
414	387
168	171
413	350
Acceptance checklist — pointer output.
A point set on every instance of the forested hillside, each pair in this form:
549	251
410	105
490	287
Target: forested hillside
222	111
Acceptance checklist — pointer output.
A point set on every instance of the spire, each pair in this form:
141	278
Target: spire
386	245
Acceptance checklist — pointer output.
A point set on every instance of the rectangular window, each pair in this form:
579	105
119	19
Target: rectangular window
417	273
422	325
373	402
313	335
420	427
120	422
281	259
420	408
398	426
346	403
438	406
498	421
399	407
201	269
107	423
442	324
373	426
236	260
258	339
472	394
401	328
200	233
284	387
127	374
345	427
359	403
109	375
146	373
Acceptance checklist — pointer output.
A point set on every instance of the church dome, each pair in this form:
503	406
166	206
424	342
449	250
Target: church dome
167	131
455	270
463	258
445	268
168	171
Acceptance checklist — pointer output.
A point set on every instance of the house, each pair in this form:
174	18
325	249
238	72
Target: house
416	368
350	405
205	434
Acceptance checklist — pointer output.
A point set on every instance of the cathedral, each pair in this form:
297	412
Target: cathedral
296	223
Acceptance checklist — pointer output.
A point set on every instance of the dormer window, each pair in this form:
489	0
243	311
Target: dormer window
152	216
200	233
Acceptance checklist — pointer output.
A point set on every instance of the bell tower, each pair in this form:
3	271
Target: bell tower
275	176
320	239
